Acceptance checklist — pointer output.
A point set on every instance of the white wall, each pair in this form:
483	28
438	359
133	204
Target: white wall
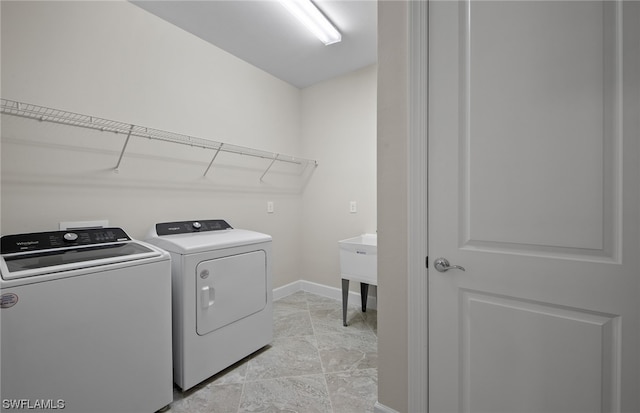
114	60
339	129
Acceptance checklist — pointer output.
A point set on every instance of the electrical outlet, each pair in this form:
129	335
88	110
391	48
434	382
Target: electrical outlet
353	207
270	207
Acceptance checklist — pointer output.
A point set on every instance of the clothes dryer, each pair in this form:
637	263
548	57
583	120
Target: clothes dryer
222	295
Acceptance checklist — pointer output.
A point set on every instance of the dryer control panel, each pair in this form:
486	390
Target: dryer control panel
186	227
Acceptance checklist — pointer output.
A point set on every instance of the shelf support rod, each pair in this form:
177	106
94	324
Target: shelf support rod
214	158
126	142
275	158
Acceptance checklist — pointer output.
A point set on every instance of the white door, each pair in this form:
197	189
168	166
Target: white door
534	182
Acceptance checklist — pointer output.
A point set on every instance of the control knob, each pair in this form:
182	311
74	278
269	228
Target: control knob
70	236
196	225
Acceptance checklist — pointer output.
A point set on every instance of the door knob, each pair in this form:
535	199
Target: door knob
442	265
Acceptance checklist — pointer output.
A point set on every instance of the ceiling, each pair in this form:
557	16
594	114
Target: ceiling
264	34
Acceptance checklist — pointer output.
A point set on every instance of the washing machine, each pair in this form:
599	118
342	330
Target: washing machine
86	323
222	295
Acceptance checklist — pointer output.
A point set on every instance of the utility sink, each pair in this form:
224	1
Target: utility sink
358	262
359	258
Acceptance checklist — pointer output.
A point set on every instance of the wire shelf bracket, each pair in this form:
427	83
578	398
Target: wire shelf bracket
45	114
213	159
126	142
275	158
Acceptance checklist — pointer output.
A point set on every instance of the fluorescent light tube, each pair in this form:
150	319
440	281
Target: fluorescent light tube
313	19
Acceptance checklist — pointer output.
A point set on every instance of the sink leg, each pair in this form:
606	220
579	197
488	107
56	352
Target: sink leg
345	300
364	292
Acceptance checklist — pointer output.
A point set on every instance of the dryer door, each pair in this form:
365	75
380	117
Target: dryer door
229	289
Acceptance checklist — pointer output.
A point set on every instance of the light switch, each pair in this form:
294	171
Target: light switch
353	207
270	207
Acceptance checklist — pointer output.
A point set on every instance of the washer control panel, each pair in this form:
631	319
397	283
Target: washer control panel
61	239
186	227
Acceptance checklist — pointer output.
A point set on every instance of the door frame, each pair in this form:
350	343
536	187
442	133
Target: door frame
417	300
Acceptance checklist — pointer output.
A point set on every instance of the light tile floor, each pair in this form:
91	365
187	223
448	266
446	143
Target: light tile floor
314	364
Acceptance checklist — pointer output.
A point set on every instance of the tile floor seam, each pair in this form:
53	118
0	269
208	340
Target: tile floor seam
326	386
286	377
324	371
315	336
240	398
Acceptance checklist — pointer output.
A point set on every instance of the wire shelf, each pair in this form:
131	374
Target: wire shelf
45	114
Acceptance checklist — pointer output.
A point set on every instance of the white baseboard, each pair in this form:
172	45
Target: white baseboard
322	290
381	408
287	290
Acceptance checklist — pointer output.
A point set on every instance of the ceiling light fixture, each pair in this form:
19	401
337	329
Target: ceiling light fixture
313	19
